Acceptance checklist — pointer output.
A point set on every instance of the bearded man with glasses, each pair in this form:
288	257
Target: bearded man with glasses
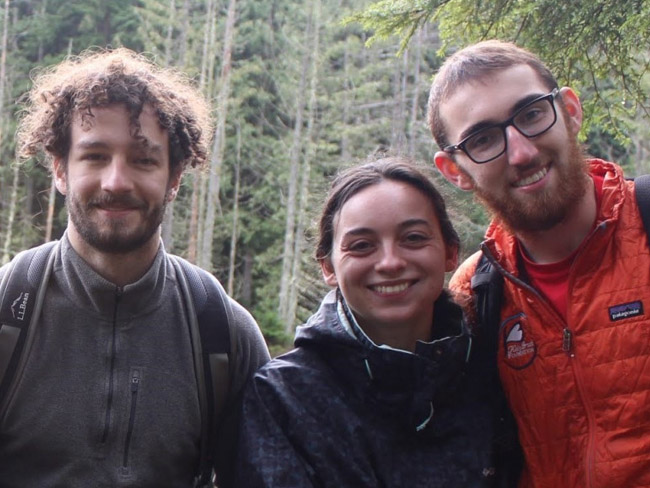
567	237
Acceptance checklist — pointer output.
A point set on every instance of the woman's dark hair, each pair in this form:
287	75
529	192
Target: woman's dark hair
352	180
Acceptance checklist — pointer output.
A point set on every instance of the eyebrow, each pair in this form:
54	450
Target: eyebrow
149	148
90	144
153	149
484	124
403	225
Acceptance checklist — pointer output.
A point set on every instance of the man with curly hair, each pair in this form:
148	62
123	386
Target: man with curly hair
109	392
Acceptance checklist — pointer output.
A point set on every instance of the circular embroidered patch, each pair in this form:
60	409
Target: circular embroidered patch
519	350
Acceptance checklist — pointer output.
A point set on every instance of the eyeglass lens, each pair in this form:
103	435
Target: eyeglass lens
530	120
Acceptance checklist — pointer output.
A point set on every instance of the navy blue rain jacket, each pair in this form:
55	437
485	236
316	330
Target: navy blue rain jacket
339	411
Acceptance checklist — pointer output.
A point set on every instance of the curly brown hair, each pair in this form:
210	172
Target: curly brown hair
99	78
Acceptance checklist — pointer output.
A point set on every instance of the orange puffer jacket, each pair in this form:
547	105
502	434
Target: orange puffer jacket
580	389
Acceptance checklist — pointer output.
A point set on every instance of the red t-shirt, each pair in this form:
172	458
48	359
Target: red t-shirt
552	280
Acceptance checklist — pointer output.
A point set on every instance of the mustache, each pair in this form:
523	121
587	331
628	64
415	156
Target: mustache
111	200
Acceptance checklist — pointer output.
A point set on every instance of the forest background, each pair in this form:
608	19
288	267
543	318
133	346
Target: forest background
300	89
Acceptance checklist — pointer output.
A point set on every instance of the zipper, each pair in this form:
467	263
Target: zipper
567	347
567	336
566	332
135	385
111	381
591	424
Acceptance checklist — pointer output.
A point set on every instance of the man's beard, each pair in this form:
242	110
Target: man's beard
542	212
115	237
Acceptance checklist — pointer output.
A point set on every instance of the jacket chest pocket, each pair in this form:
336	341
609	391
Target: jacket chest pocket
134	387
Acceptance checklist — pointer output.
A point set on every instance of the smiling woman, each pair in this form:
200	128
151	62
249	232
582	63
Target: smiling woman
389	258
386	386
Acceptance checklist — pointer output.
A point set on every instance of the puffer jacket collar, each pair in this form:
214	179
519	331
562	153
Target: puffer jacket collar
408	387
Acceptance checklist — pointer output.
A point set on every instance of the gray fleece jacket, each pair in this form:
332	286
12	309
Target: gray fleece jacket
108	397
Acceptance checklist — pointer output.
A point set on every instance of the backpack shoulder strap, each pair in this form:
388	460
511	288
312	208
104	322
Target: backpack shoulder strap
487	285
210	316
642	192
21	298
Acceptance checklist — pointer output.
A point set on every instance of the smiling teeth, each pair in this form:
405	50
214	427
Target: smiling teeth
391	289
532	178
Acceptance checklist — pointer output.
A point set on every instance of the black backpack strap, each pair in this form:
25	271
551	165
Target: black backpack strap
21	298
642	192
487	288
210	316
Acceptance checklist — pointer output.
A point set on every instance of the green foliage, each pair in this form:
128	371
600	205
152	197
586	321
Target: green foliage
597	46
387	18
356	115
277	340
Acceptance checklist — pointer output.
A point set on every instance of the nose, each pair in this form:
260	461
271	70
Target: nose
116	176
521	150
391	261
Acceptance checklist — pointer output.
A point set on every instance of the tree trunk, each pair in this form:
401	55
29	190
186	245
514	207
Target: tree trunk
13	200
168	219
51	199
210	88
235	220
170	30
194	205
194	217
399	106
209	25
415	106
345	110
216	161
3	67
198	202
6	251
294	162
294	290
184	35
247	280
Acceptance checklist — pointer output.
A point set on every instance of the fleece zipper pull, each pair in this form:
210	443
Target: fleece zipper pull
135	385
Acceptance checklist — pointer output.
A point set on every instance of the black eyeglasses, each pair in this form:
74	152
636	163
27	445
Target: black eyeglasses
533	119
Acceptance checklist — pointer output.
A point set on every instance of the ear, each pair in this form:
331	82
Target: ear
573	109
450	170
59	175
328	272
451	258
174	185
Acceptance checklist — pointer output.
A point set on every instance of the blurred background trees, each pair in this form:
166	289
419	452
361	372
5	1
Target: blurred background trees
297	94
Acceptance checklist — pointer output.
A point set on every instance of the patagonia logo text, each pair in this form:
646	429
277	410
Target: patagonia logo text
625	311
19	306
